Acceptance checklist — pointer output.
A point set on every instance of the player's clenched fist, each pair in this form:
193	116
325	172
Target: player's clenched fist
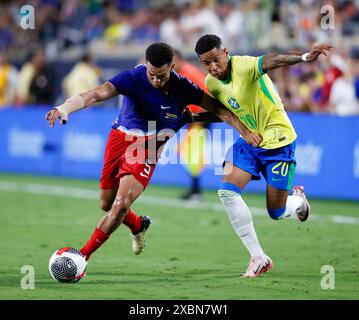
252	138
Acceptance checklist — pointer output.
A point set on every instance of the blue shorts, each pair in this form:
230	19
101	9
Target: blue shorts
276	165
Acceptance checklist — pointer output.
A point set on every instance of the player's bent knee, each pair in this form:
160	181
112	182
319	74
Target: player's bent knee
105	205
276	214
119	209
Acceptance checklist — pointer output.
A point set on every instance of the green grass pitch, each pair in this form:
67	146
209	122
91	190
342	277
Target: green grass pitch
191	253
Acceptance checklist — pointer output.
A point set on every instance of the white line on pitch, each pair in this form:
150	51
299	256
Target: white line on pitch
82	193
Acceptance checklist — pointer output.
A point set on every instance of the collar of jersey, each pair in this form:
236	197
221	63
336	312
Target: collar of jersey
228	79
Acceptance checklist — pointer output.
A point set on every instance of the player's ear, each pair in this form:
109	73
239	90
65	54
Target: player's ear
226	51
172	66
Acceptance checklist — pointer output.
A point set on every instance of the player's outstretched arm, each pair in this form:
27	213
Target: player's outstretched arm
220	111
280	60
100	93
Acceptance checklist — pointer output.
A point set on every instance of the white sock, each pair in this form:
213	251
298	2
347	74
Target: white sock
294	204
241	220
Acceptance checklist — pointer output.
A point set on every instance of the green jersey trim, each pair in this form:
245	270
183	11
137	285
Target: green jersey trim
260	62
265	90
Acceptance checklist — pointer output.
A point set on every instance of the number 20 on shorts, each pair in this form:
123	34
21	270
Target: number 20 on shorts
281	168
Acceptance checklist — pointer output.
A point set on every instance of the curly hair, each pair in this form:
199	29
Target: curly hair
207	43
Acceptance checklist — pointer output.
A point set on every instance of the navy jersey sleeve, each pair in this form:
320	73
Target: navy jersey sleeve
124	83
191	93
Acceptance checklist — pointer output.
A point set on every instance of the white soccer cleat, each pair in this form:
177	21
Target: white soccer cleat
138	239
302	215
257	266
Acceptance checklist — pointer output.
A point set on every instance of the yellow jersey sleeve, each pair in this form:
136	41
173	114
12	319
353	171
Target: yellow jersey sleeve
249	67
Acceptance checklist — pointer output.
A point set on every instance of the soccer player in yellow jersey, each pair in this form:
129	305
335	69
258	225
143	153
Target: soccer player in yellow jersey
242	85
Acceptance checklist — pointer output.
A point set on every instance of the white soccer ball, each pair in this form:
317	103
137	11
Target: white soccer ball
67	265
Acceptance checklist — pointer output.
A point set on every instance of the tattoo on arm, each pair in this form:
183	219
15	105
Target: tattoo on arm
275	61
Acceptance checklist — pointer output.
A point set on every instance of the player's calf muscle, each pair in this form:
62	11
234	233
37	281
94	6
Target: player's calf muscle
118	211
121	205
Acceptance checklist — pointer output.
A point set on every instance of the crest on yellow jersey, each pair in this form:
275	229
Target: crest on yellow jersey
233	103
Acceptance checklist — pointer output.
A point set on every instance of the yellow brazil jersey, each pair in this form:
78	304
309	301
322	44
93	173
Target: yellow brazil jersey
250	95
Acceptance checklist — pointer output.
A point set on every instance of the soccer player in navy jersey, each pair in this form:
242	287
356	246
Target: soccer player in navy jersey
152	92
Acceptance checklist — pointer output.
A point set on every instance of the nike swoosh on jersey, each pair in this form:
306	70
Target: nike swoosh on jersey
163	107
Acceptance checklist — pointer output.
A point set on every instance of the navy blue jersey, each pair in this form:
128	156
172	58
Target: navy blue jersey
143	103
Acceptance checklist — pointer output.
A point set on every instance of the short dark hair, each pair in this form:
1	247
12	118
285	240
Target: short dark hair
207	43
159	53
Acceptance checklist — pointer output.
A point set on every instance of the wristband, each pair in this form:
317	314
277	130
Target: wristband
305	56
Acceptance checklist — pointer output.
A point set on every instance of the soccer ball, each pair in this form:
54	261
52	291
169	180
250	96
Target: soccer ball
67	265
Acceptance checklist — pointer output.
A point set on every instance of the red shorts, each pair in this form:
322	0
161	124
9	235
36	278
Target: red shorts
128	154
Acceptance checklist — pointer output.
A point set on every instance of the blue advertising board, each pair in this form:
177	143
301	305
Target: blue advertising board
327	150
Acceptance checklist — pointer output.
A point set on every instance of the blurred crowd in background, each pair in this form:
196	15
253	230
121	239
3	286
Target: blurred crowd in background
120	28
